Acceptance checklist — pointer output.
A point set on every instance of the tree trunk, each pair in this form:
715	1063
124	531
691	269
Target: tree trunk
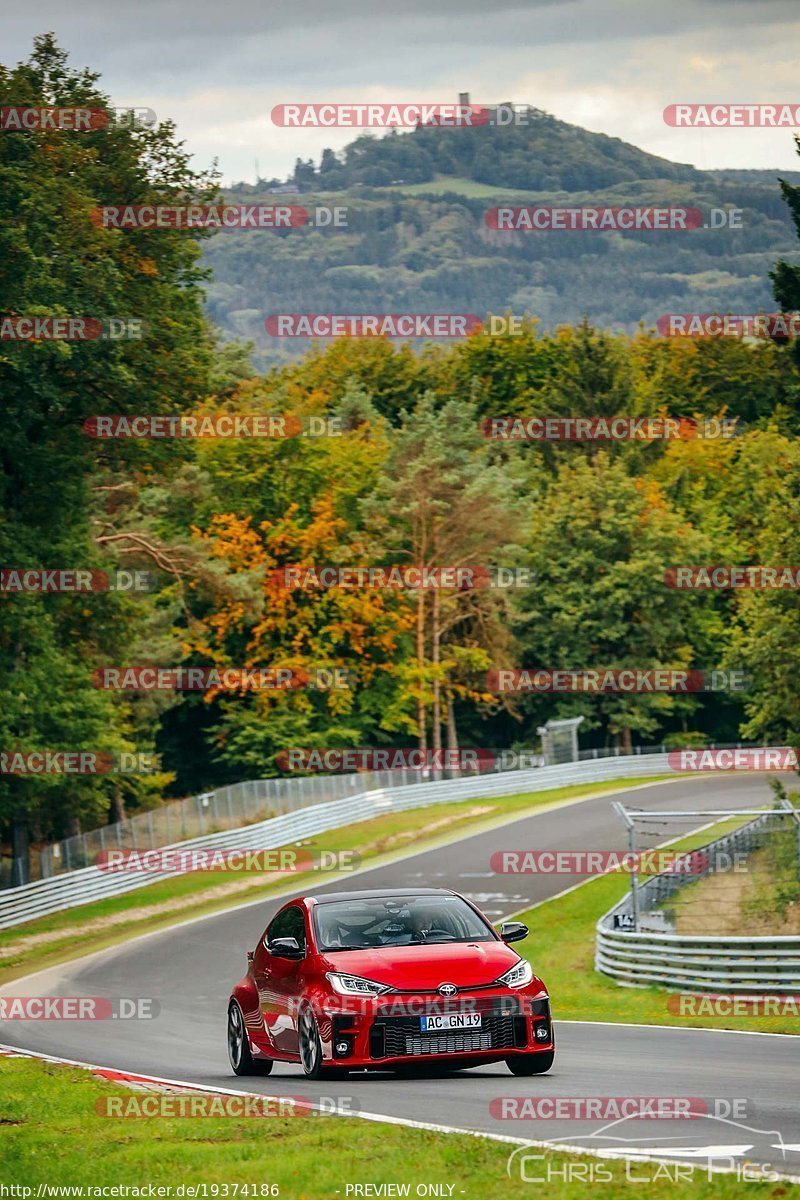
626	742
452	732
436	656
116	811
422	732
19	847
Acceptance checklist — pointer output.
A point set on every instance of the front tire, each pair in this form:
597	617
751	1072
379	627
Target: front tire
309	1043
531	1064
310	1046
239	1054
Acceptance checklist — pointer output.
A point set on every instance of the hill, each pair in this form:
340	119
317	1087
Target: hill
416	238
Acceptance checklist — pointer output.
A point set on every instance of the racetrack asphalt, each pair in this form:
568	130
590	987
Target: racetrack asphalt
190	968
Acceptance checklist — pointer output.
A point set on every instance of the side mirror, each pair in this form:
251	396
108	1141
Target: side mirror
513	931
286	948
251	955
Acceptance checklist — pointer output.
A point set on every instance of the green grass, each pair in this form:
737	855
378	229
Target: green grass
52	1134
103	923
561	948
463	187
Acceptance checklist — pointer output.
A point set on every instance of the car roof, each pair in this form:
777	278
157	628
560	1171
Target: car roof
379	894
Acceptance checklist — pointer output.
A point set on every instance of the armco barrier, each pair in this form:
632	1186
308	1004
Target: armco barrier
750	965
696	962
228	807
21	904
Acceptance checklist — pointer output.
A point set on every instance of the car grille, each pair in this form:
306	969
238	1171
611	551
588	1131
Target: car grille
449	1043
394	1037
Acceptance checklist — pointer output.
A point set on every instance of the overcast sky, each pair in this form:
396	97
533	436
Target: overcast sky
609	65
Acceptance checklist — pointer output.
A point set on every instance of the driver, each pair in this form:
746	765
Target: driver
419	925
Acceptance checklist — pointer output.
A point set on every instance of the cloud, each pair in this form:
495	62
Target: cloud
218	69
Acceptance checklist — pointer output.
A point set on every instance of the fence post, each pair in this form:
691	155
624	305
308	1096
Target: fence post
789	807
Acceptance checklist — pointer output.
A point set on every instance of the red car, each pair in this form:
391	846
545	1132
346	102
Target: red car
388	979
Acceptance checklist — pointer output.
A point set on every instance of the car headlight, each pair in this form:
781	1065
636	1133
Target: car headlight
354	985
520	974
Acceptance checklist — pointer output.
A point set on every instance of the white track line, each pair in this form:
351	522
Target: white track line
110	1075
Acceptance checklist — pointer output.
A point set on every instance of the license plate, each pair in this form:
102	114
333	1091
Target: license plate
450	1021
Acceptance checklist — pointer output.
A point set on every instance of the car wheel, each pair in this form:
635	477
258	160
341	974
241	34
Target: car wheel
530	1064
310	1044
241	1059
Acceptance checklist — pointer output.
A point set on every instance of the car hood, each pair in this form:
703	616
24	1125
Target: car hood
411	968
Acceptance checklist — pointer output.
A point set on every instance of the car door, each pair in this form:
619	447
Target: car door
278	979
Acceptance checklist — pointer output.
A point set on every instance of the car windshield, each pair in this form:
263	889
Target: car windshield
397	921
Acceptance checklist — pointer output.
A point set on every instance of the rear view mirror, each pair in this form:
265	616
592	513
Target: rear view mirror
513	931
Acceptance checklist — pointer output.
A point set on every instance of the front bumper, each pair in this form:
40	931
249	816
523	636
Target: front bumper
386	1030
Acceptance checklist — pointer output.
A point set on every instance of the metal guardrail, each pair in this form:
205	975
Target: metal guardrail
245	803
46	896
707	964
228	807
696	962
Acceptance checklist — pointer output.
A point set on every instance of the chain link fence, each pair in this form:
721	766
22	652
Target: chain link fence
226	808
246	803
